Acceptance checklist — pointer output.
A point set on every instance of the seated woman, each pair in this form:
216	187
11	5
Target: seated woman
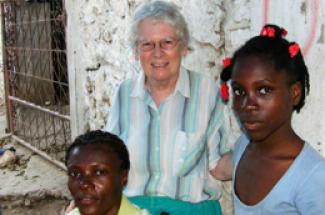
98	166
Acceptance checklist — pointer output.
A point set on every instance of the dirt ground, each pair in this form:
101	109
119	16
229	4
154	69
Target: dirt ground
32	185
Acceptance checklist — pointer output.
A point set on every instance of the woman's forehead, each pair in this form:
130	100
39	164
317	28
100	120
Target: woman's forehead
151	28
253	67
93	152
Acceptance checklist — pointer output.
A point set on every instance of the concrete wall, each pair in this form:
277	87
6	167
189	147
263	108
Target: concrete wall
99	57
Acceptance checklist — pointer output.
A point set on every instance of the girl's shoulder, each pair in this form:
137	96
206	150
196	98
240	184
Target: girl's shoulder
241	143
310	190
310	164
239	148
311	156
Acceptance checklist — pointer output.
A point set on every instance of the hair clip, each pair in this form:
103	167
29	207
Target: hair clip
224	90
268	32
293	49
226	62
284	32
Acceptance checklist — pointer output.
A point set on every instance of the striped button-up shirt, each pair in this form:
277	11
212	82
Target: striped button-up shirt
172	147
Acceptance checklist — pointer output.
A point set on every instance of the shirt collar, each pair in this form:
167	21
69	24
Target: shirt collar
127	208
182	85
139	88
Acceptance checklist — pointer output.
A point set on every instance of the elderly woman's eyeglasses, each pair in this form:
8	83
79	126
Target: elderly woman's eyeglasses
165	44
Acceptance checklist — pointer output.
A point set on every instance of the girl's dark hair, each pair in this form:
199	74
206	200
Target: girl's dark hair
109	140
273	48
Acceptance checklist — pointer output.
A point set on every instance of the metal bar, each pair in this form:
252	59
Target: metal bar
38	132
9	108
40	78
64	132
35	49
35	22
37	107
6	136
40	153
46	135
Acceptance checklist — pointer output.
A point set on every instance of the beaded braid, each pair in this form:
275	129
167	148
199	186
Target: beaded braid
284	55
224	89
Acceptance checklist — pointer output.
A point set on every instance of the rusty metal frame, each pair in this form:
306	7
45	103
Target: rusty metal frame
36	76
6	75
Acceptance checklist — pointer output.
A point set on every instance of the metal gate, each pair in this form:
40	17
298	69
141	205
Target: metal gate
36	76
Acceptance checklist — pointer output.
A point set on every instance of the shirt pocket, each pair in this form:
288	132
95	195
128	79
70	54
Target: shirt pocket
189	153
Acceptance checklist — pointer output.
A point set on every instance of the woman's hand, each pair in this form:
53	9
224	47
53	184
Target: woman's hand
70	207
223	170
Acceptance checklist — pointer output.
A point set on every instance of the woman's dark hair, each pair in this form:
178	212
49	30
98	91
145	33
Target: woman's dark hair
109	140
272	47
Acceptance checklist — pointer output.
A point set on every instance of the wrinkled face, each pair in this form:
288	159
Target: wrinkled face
95	179
263	98
162	63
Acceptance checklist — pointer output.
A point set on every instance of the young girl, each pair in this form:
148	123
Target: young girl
275	171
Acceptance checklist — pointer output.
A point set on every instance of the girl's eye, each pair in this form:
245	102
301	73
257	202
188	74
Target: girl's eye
238	92
74	174
100	172
265	90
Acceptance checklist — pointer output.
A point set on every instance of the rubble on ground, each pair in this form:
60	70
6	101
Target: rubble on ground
31	185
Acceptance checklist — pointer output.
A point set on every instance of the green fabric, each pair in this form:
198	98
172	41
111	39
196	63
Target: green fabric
156	205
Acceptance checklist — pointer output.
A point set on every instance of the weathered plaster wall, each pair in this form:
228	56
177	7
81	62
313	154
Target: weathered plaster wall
2	92
99	56
3	119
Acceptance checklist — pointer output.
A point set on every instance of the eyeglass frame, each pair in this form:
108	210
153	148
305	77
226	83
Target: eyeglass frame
160	42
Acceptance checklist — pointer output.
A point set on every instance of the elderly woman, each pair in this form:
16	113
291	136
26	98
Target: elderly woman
171	120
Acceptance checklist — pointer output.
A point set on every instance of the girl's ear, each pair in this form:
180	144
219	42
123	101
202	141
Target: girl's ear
296	93
124	178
